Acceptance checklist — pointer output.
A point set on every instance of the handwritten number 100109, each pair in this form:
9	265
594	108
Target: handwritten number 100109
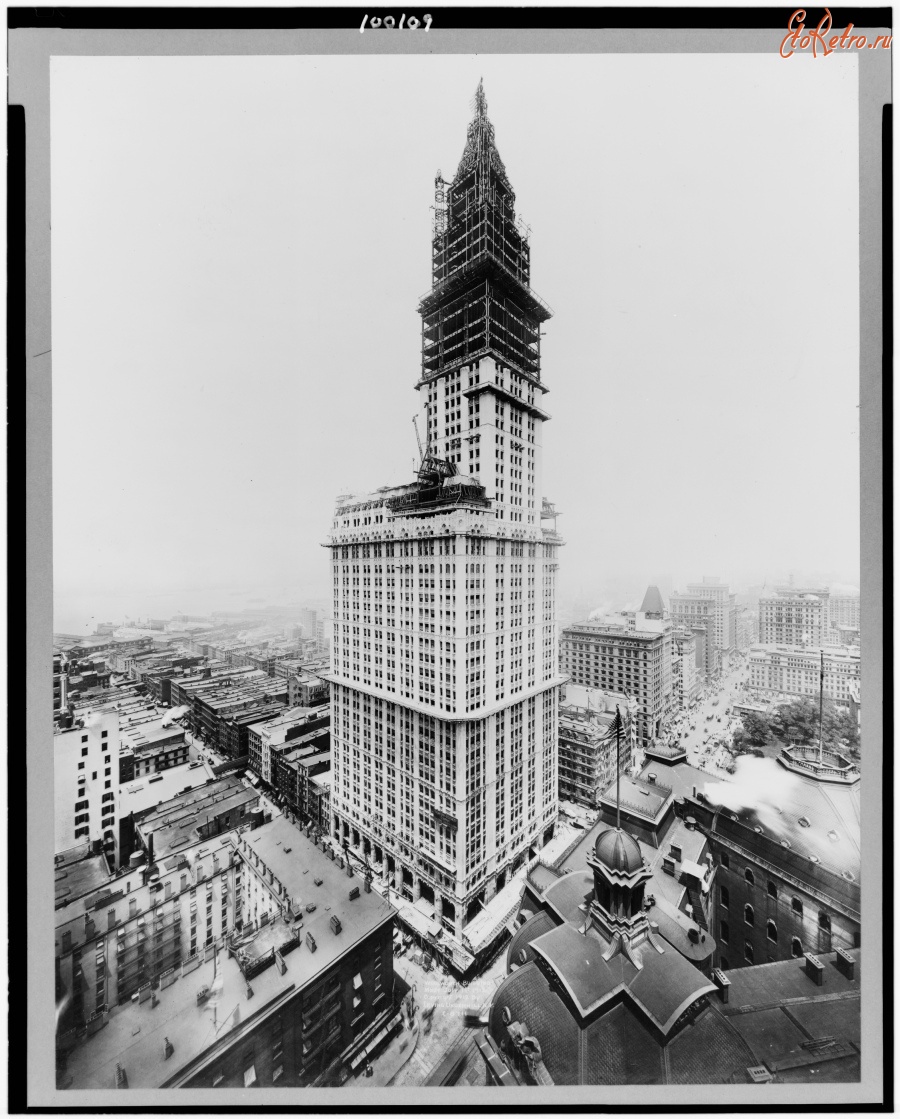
388	21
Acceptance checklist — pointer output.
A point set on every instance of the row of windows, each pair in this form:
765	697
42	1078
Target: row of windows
771	890
771	934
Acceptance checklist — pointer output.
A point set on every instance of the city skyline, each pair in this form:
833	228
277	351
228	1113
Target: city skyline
205	251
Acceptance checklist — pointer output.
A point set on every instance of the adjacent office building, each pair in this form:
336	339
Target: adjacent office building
712	605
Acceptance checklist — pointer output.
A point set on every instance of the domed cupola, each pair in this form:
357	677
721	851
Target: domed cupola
618	851
617	908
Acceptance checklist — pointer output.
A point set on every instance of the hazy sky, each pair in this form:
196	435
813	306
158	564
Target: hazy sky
239	245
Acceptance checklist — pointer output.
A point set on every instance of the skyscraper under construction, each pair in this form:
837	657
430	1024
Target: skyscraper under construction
445	660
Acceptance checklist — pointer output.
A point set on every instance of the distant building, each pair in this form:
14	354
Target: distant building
699	616
686	681
844	610
652	606
307	690
710	601
122	648
612	658
794	618
289	778
846	635
59	683
313	622
793	670
746	628
211	708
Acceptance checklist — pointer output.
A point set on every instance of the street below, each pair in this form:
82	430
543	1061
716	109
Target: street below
705	727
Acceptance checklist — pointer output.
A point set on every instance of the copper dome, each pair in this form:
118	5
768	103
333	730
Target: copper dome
618	850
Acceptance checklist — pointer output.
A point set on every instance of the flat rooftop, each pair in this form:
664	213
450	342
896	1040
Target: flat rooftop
298	863
284	721
315	759
614	632
125	880
786	980
145	736
141	794
74	880
639	796
134	1036
174	823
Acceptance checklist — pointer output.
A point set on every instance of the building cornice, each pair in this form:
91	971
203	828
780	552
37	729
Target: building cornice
446	716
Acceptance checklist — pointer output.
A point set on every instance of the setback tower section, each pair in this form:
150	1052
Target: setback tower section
445	658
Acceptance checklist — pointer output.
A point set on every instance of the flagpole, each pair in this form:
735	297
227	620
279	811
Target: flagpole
618	732
821	697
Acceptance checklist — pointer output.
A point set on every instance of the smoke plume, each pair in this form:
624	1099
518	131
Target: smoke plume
760	785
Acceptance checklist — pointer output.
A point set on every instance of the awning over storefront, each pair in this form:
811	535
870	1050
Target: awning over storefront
462	960
411	916
494	916
375	1042
424	906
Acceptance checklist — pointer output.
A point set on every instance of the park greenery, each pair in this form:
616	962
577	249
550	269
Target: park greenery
797	723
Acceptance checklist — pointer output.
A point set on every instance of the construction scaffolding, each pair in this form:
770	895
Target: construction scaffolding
480	301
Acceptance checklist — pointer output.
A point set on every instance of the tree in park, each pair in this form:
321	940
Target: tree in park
798	723
754	734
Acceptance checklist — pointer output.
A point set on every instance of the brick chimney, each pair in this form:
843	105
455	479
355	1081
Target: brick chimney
722	981
814	968
845	964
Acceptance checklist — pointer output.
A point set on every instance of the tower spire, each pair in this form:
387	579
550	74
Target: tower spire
480	100
481	147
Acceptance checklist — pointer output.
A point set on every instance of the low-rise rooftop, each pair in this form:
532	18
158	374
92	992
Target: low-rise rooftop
310	878
175	824
147	792
76	879
135	1034
315	759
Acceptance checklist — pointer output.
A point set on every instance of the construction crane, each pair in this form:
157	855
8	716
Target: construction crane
415	420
